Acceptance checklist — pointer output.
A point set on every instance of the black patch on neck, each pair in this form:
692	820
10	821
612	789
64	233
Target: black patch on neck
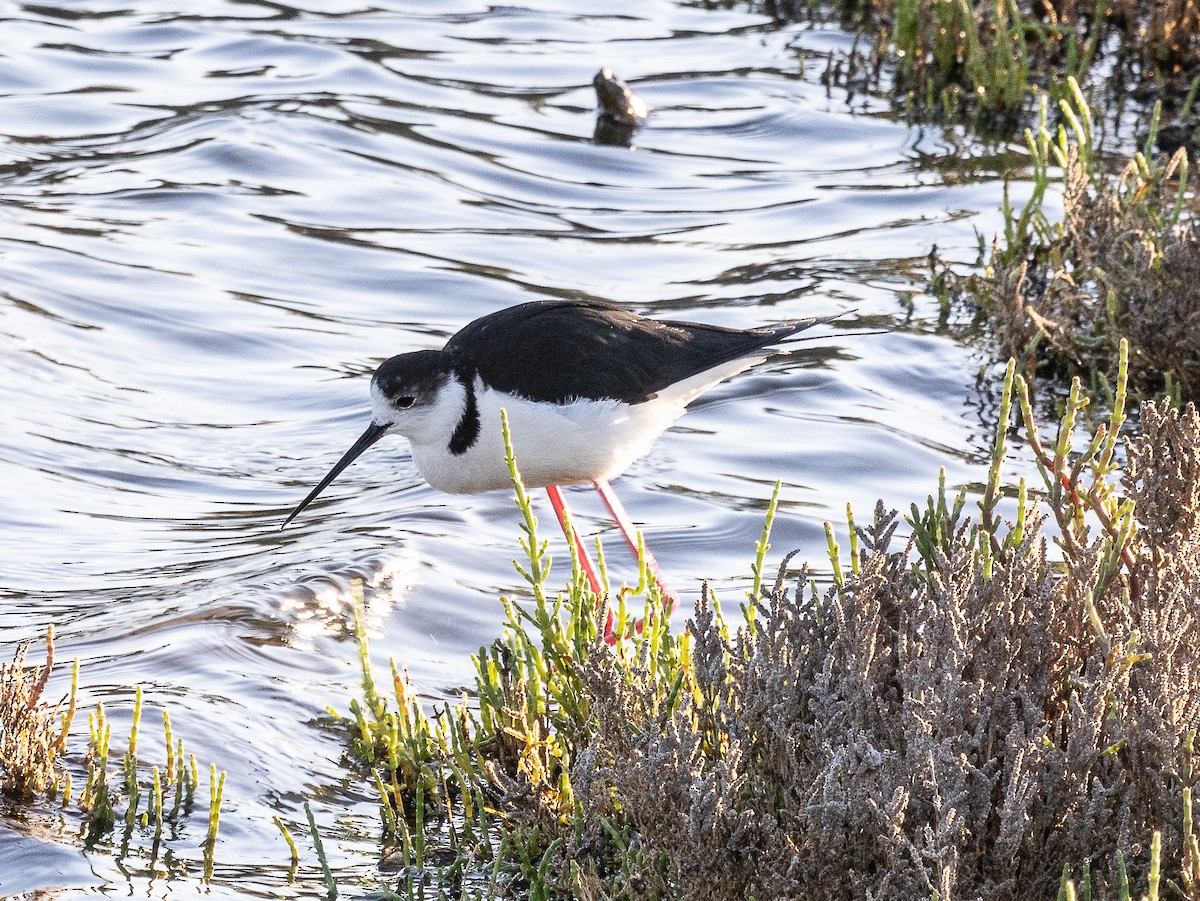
467	431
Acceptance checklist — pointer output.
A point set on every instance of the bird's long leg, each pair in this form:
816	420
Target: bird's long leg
629	530
585	560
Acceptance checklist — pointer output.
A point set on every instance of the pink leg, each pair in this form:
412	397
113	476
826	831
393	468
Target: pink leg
585	561
629	530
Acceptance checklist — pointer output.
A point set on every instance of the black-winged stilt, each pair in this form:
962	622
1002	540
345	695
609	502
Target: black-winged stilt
587	386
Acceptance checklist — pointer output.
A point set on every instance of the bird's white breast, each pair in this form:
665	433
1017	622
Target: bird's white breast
557	444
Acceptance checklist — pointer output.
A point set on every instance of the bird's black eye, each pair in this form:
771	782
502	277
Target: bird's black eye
403	403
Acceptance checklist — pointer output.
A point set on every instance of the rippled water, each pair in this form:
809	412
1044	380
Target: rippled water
214	225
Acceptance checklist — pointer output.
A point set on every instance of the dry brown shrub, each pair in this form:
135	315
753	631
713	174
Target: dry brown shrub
1117	269
31	737
961	733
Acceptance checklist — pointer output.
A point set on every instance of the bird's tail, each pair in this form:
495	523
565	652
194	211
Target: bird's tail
787	330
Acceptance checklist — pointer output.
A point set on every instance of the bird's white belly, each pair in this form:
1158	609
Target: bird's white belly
555	444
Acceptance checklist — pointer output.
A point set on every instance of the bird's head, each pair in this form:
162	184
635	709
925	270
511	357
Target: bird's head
418	396
415	395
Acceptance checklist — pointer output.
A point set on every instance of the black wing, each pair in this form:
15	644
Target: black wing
556	350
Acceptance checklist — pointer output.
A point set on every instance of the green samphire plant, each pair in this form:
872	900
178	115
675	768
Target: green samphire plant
958	714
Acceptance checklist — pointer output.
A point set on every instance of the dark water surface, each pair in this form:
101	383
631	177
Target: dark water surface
214	224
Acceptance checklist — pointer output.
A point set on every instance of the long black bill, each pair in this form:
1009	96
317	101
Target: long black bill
373	433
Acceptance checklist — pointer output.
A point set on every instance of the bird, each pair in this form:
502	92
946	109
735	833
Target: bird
587	387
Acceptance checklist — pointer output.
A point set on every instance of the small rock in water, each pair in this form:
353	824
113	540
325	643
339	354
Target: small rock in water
620	111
